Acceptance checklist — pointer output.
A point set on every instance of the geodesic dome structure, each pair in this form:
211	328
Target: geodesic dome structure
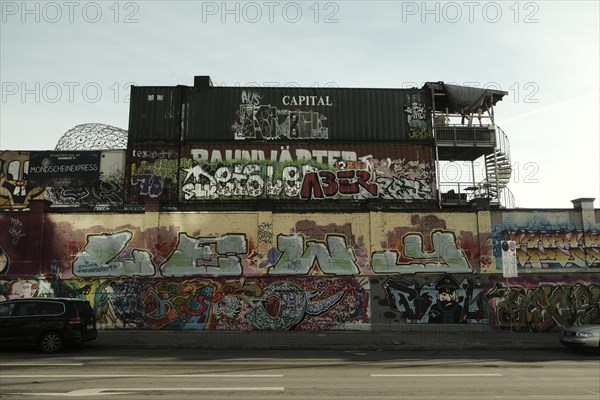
93	137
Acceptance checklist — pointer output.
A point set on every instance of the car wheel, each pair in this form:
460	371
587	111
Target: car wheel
51	342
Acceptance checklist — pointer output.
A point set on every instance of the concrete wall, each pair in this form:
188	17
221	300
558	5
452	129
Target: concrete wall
286	271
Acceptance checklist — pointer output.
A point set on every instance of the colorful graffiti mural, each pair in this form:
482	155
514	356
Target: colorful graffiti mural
555	248
200	304
527	306
181	246
445	301
170	175
17	191
548	240
286	271
305	180
108	254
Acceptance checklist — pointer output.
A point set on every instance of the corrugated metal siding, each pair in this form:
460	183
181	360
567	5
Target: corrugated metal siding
155	114
363	115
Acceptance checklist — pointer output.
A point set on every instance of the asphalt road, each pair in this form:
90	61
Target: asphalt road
132	374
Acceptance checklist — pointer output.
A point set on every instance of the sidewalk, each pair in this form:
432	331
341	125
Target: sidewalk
441	337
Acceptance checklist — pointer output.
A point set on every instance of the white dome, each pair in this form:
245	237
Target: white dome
93	137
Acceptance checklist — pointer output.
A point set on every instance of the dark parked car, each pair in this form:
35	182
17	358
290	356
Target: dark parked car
49	323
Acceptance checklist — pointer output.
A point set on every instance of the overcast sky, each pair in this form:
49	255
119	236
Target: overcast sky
68	63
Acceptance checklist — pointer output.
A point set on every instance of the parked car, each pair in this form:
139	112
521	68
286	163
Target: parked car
581	336
50	323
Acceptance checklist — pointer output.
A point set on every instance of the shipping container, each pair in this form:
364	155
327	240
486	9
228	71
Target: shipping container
318	171
155	114
306	114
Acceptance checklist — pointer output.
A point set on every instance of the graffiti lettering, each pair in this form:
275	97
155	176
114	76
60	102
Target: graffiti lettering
543	308
403	189
324	184
555	249
250	98
386	179
155	154
241	180
98	257
15	231
332	257
271	123
150	185
265	233
211	256
15	222
330	157
237	180
445	256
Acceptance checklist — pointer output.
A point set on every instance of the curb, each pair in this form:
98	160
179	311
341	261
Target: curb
324	340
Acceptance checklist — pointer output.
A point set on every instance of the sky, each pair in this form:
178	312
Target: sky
65	63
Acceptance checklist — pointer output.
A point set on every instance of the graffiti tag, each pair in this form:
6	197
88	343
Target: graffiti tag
446	256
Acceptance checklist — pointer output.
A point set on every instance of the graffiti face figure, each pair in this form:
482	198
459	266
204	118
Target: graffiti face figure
14	189
446	297
21	289
446	310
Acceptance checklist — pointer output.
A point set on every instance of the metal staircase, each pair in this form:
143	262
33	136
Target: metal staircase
498	170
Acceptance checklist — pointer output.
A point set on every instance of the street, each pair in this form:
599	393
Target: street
101	372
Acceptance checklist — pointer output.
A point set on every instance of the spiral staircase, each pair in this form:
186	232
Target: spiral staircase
486	146
464	130
498	171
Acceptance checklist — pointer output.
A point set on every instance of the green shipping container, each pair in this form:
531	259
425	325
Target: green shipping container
306	114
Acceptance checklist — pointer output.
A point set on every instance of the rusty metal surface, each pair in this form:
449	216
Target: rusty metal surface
340	155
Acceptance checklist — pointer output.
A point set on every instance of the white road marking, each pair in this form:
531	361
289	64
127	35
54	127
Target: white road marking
41	364
4	376
106	392
428	375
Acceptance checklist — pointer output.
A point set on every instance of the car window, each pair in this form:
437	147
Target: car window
6	309
23	309
49	308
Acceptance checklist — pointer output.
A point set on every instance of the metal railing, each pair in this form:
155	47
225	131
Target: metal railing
507	199
460	192
465	135
503	142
